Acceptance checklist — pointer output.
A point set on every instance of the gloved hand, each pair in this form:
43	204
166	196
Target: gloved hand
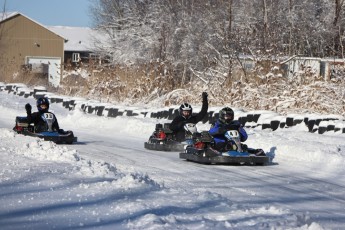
204	96
28	108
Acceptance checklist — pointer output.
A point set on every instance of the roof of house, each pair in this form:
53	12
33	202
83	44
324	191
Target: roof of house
78	38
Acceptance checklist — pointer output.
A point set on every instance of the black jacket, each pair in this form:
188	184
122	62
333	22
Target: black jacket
177	125
40	124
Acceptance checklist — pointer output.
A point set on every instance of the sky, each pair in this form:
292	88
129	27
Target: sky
108	180
51	12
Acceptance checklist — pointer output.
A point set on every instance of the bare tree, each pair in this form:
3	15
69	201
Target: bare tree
338	26
193	35
130	26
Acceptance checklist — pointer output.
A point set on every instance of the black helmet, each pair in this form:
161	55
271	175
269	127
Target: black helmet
185	107
226	111
42	101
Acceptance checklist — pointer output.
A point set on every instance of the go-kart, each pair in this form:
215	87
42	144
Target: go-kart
60	136
163	139
202	151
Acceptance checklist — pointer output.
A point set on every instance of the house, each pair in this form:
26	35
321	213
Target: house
48	50
324	67
26	43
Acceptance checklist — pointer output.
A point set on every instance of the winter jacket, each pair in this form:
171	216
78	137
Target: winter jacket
177	125
219	129
39	122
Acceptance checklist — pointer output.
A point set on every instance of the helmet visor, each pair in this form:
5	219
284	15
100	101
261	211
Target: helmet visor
228	116
43	106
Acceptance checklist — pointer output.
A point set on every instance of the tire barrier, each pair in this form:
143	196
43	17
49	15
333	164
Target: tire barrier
65	103
289	121
243	120
131	113
278	122
297	120
282	124
274	125
322	127
266	120
113	112
172	113
266	124
99	110
311	123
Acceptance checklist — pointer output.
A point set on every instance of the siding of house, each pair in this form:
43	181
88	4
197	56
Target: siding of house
20	38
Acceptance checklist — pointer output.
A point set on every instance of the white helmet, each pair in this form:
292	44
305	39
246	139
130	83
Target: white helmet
186	107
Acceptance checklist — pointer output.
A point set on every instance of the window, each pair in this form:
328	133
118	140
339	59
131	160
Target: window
75	57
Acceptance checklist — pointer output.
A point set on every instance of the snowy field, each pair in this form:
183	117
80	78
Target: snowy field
109	181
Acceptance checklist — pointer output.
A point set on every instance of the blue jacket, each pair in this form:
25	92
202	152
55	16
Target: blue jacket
218	130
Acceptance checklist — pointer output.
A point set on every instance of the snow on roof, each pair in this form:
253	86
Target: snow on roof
78	38
6	15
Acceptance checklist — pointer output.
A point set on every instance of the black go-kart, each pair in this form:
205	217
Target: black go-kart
163	139
235	153
48	134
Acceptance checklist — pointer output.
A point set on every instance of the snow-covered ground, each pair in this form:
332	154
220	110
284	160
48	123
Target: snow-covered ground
108	180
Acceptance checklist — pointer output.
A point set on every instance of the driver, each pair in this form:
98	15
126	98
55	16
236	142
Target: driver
38	117
186	116
224	123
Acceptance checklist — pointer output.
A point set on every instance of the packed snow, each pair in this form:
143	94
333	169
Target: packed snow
108	180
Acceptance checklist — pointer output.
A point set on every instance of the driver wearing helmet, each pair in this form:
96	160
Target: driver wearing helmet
186	116
225	123
37	117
